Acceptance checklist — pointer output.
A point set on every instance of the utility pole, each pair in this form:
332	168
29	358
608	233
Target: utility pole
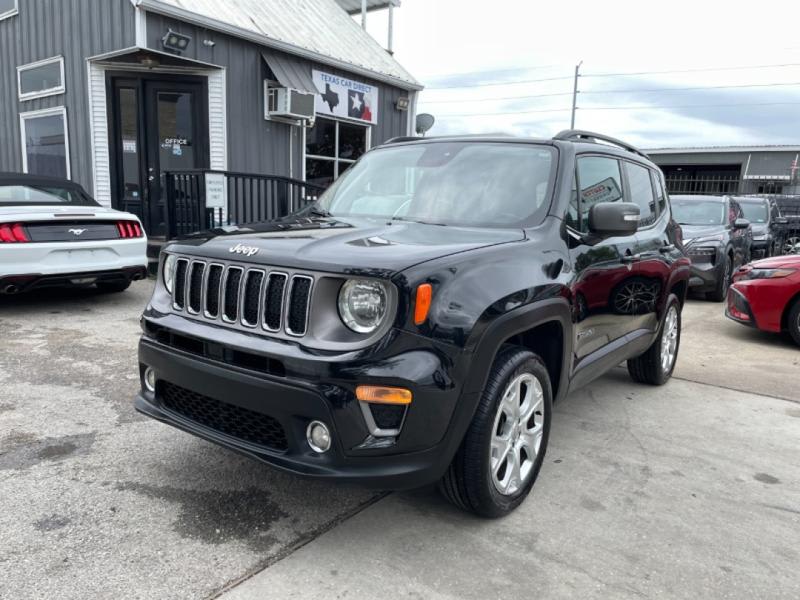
575	95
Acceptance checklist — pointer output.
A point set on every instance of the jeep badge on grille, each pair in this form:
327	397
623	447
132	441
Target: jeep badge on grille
246	250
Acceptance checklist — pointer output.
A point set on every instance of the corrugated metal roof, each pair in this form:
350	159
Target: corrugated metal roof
715	149
354	6
317	29
290	72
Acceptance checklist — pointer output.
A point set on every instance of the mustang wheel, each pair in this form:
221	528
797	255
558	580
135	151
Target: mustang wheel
504	447
655	366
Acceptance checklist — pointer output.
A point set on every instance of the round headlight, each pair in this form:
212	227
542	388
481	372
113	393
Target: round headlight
362	304
169	271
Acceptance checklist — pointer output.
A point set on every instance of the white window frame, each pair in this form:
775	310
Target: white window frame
41	93
35	114
335	159
12	12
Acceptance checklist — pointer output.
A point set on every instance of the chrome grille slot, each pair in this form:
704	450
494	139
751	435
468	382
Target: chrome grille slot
230	307
213	290
299	301
251	298
195	300
273	301
179	294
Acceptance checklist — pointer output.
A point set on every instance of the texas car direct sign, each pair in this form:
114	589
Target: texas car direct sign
345	98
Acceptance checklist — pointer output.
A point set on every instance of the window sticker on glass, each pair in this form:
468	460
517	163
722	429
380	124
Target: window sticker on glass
604	191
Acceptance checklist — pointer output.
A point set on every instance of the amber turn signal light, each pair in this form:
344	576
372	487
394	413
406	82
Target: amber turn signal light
423	303
376	394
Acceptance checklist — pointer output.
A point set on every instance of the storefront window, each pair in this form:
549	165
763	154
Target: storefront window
331	147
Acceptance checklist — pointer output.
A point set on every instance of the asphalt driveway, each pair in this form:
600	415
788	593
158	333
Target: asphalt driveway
689	490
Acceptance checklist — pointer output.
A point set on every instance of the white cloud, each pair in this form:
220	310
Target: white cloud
464	42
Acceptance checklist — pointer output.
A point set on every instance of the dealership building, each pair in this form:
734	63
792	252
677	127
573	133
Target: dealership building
115	93
730	169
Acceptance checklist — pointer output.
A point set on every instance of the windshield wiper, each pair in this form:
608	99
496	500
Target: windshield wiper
319	212
407	220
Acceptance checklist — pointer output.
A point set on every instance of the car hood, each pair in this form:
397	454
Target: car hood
759	228
778	262
353	246
693	232
41	212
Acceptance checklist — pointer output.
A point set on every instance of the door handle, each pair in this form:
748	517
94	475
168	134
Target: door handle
667	249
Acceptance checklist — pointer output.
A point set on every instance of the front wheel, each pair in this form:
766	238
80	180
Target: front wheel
721	290
503	449
655	366
793	321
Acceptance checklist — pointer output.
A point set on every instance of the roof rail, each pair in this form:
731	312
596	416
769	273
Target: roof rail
591	136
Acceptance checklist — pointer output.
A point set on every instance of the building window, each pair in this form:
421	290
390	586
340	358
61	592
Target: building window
331	147
8	8
45	142
39	79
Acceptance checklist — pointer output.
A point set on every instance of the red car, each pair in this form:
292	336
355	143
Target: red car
766	294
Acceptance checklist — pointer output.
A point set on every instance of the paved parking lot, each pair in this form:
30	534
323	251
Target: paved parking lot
690	490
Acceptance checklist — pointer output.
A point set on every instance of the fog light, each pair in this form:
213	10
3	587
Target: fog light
150	380
318	436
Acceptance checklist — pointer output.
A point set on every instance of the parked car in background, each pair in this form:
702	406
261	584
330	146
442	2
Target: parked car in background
764	217
417	322
52	234
717	238
766	294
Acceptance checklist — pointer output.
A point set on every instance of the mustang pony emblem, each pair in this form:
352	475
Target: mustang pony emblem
76	231
246	250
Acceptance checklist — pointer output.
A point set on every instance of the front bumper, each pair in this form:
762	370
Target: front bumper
288	393
737	307
706	270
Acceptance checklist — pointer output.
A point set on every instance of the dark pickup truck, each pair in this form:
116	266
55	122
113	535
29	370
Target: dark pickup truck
417	322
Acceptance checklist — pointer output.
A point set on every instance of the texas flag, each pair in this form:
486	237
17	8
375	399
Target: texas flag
357	108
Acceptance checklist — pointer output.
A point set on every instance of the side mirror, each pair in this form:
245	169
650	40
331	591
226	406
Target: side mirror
781	221
608	219
741	223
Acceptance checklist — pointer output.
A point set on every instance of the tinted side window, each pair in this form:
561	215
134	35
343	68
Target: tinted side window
661	195
600	181
641	193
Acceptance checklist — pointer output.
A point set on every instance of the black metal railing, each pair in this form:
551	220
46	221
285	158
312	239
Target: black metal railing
712	186
247	198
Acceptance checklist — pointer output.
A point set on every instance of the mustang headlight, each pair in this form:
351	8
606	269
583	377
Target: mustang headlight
169	272
362	304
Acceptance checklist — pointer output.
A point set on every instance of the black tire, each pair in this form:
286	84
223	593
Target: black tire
793	321
113	287
648	368
721	291
468	481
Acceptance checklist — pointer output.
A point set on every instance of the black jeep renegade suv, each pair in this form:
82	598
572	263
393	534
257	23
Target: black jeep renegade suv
417	322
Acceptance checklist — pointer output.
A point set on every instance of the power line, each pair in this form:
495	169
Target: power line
699	70
635	107
618	91
597	75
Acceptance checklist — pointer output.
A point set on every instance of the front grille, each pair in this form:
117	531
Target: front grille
235	421
240	296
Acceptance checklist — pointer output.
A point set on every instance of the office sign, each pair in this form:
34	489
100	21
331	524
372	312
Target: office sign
345	98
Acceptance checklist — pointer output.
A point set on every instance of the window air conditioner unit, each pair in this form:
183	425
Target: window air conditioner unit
289	103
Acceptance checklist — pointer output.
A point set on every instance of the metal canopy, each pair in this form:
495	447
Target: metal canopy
291	73
353	7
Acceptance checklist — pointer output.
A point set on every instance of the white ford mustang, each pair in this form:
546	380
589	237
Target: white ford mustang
52	233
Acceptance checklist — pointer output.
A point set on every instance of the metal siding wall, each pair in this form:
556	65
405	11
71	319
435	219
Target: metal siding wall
256	145
75	29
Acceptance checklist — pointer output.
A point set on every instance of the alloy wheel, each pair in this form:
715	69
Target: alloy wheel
517	434
669	339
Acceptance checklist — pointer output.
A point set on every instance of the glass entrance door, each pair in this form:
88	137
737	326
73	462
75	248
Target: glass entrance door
157	126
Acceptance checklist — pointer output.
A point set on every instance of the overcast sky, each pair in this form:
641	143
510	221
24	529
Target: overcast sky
460	48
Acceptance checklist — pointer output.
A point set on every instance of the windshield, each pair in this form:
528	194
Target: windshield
22	195
755	212
698	212
448	183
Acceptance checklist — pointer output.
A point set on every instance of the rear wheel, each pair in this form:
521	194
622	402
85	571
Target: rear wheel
503	449
721	291
655	366
112	287
793	321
